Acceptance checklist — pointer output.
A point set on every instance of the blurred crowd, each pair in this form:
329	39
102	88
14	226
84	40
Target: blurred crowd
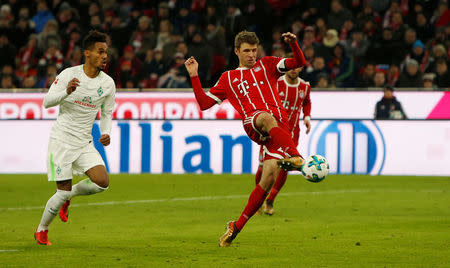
347	43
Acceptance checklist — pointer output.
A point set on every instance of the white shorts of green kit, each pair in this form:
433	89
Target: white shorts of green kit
64	161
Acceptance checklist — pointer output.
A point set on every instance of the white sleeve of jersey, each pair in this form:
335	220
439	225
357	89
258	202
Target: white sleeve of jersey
107	110
57	91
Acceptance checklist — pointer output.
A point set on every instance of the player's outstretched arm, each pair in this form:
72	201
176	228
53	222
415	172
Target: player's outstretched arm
59	91
298	59
203	100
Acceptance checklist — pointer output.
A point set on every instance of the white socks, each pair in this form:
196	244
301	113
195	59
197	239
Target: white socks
52	208
86	187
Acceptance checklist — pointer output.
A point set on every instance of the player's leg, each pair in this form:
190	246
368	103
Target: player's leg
260	166
279	182
281	138
62	174
52	207
256	199
91	163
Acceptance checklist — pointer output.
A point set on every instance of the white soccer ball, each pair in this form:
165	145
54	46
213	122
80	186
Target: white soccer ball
315	168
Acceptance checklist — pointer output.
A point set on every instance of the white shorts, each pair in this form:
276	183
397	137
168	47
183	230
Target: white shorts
63	160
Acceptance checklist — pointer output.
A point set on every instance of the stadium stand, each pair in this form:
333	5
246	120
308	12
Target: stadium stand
358	45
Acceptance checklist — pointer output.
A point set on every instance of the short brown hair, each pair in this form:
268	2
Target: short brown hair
245	37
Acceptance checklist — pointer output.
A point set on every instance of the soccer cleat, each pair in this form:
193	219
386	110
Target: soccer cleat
42	238
230	234
64	211
268	207
292	163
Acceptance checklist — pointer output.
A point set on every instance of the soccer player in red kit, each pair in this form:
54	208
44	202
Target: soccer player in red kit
251	89
294	95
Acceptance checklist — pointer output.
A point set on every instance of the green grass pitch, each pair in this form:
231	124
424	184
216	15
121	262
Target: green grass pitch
176	220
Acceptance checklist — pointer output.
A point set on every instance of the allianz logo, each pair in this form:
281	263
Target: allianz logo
351	147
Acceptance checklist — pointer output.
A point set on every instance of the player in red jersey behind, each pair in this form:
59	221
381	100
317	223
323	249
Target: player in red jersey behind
294	95
251	89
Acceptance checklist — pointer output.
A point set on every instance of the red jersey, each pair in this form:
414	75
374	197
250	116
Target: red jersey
254	89
294	98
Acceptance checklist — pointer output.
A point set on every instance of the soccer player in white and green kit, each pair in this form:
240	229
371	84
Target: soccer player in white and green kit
80	92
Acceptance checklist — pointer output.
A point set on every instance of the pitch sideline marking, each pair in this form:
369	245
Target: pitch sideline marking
202	198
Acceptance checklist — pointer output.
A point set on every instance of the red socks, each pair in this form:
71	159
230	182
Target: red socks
281	138
255	201
279	182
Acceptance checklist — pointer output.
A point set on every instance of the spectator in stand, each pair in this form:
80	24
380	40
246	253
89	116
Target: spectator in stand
338	15
8	70
49	77
366	78
42	16
126	75
321	29
386	50
215	37
75	58
346	30
438	52
49	36
318	67
441	16
24	28
442	74
72	44
367	14
440	37
149	71
323	81
309	54
29	82
174	45
163	37
135	63
419	54
309	38
7	50
6	82
411	75
408	40
163	13
393	74
379	79
397	26
183	18
119	33
177	76
389	107
143	38
201	51
424	30
428	81
310	15
342	68
67	17
357	45
394	7
51	56
330	40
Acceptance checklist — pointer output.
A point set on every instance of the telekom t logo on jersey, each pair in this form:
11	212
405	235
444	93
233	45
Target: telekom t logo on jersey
243	87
